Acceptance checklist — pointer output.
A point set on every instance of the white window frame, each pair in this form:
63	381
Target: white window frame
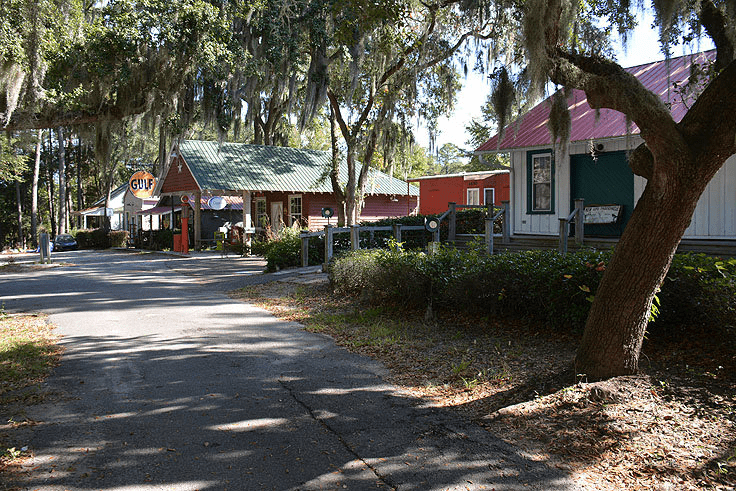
260	223
472	200
485	196
300	215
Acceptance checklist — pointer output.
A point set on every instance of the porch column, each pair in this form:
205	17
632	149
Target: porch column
247	214
197	220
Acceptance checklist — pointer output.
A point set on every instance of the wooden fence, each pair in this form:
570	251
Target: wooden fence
329	231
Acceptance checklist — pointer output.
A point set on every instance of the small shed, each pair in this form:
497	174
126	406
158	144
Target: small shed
92	216
465	188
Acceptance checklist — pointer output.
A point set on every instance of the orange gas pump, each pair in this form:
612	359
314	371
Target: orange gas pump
185	229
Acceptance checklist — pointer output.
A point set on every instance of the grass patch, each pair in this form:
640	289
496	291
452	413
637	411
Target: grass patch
28	351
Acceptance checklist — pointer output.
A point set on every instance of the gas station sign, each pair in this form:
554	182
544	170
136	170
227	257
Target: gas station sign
142	184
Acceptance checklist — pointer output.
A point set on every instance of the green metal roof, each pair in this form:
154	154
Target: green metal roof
238	166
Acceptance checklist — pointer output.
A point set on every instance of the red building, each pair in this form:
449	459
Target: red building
466	188
277	186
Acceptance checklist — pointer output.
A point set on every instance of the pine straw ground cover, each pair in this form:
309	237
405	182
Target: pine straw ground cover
28	352
672	427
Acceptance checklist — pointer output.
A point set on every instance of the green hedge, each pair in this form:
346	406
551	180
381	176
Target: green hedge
162	240
119	238
92	238
99	239
543	285
285	249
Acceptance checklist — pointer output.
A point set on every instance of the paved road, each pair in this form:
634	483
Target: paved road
168	384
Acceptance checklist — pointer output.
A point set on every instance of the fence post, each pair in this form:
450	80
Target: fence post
580	221
452	222
328	246
355	237
489	234
506	225
305	250
564	232
397	235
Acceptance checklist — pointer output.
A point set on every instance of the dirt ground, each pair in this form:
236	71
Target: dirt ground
673	427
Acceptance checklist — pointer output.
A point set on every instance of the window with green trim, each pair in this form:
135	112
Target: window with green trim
541	182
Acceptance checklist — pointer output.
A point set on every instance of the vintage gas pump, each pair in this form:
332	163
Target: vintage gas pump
185	224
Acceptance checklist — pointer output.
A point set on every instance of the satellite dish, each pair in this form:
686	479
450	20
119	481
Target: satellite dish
217	202
431	224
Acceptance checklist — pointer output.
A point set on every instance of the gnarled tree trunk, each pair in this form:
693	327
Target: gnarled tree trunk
679	160
618	319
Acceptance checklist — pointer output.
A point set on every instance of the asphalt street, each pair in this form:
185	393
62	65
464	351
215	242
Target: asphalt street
168	384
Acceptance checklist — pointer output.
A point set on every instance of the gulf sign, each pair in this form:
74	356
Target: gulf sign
142	184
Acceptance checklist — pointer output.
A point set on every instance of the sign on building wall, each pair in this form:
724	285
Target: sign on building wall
142	184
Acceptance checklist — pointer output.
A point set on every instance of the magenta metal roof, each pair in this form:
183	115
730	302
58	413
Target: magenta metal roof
531	129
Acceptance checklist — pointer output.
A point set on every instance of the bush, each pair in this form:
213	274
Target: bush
543	285
118	238
92	239
162	240
99	239
281	249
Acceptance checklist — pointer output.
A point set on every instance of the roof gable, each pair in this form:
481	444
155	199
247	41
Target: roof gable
588	124
243	167
115	196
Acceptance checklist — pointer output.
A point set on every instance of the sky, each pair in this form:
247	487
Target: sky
642	47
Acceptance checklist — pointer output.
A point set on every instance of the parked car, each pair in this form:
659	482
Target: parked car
65	242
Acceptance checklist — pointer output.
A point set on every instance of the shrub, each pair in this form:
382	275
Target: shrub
162	240
99	239
283	249
543	285
118	238
92	239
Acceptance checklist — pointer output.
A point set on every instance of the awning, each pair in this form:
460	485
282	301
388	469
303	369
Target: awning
94	212
158	210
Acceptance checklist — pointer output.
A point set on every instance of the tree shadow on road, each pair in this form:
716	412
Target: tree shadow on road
242	408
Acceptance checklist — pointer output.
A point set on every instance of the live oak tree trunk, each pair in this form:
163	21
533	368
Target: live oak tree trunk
678	160
80	195
337	190
50	189
618	318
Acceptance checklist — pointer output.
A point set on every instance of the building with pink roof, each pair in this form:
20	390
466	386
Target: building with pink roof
546	180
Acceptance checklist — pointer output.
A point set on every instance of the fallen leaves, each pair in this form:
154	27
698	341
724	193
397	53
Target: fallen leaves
673	427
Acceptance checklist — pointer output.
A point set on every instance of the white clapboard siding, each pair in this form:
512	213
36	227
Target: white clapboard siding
524	223
714	217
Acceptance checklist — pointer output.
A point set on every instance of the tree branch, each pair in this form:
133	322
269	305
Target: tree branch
335	105
607	85
709	126
716	25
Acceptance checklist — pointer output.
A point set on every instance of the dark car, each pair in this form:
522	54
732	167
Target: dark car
65	242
